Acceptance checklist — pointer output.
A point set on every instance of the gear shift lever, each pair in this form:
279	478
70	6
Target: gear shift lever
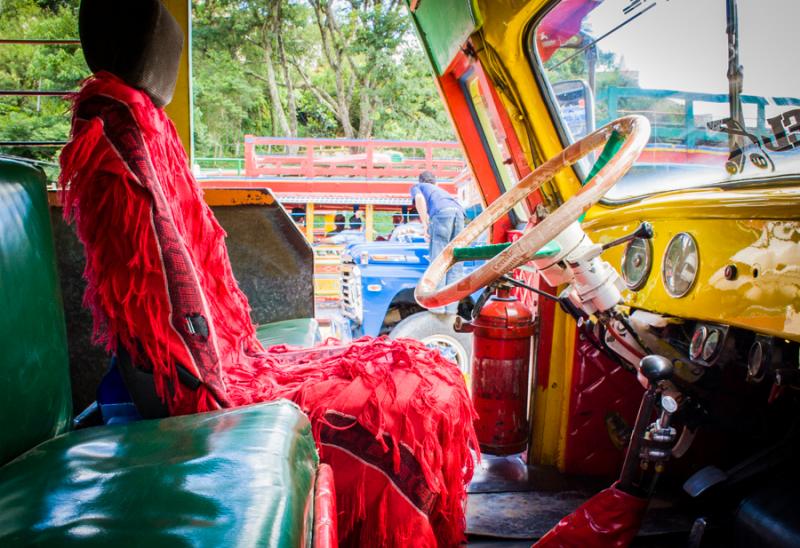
655	369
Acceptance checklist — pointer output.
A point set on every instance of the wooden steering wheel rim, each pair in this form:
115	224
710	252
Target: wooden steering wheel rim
635	128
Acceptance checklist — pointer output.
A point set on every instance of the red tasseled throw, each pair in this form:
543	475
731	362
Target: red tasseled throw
393	418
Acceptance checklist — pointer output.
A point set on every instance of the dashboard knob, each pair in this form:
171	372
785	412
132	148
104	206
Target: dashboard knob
656	368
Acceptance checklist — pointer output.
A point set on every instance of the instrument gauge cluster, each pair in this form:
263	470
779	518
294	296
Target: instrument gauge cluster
706	343
679	266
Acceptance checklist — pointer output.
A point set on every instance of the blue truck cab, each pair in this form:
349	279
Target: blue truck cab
377	283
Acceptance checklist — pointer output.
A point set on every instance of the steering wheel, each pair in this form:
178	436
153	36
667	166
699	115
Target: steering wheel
635	129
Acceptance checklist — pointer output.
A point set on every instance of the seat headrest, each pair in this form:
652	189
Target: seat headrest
137	40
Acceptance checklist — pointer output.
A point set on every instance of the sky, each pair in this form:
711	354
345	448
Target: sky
682	44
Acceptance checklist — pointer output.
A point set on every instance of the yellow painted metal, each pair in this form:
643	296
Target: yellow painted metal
756	230
503	50
551	403
180	109
310	221
368	222
235	196
327	284
212	196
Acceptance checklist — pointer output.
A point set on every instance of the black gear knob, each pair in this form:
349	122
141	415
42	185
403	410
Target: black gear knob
656	368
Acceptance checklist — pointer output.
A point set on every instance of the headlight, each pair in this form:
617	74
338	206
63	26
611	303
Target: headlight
681	263
636	262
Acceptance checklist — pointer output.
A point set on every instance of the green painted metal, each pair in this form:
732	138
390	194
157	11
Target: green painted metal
302	332
443	27
610	149
683	130
238	477
612	146
35	400
486	252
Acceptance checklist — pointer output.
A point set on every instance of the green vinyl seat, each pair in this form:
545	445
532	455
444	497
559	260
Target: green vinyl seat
303	332
236	477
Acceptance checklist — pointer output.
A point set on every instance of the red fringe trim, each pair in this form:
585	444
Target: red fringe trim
397	388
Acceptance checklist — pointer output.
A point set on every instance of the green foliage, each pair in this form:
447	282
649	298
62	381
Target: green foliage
373	66
352	68
32	67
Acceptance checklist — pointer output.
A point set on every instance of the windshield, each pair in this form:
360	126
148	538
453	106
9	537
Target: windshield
714	77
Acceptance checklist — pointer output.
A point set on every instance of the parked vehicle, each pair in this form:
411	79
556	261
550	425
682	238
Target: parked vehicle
659	350
682	275
378	281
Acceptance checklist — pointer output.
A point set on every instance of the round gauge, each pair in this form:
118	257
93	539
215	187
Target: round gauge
712	345
698	339
681	262
636	262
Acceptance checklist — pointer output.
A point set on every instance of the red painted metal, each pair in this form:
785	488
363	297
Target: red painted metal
660	155
321	187
610	519
325	533
500	371
371	159
470	137
602	392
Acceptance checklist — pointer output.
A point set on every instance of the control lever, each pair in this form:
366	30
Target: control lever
640	451
645	231
589	252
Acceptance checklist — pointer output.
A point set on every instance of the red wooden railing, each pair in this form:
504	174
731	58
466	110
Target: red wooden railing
350	158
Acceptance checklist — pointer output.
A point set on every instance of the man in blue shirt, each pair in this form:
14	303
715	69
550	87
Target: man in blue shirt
443	218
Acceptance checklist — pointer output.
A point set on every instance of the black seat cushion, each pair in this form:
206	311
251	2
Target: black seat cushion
137	40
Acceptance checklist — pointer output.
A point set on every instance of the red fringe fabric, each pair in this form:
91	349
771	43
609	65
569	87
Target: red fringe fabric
155	255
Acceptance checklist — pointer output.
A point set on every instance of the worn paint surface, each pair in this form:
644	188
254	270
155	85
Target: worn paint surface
443	41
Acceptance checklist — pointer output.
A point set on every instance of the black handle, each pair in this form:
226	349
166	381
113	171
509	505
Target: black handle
645	232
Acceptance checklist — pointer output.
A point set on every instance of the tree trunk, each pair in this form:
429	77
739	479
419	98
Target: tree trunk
291	104
278	114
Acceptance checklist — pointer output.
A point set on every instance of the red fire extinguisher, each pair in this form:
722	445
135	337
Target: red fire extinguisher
500	369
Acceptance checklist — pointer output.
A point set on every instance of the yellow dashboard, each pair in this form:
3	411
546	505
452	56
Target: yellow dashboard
748	247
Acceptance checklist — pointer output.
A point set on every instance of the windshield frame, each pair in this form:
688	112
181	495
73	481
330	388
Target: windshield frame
580	170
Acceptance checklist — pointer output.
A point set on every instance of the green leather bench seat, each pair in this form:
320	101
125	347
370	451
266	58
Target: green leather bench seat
240	477
35	396
299	332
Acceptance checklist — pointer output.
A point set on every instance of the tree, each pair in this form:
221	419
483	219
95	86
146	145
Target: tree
36	67
299	68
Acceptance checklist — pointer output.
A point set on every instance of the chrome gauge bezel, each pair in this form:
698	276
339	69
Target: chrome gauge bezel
633	286
697	342
714	337
678	237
